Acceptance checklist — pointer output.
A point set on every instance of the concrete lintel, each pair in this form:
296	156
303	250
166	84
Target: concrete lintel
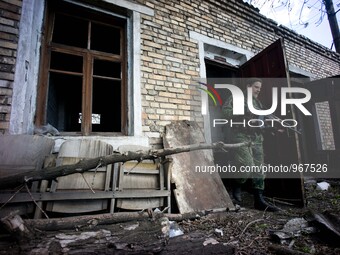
132	6
297	70
208	40
114	141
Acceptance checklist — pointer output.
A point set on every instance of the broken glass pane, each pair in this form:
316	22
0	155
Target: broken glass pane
66	62
70	31
105	38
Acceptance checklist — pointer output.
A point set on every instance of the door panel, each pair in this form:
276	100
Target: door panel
280	148
269	63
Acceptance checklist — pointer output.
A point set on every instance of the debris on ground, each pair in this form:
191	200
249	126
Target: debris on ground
322	186
299	231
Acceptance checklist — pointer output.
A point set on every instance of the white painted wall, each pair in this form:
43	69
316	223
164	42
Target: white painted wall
27	68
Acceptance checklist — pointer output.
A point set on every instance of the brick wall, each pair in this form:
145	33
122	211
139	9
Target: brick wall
169	61
170	58
325	126
9	30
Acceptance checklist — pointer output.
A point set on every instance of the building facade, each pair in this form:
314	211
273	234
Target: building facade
120	71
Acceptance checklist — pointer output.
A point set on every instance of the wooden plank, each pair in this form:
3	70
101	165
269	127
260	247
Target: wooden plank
146	165
57	196
141	171
86	195
114	186
73	151
49	161
194	191
140	181
141	193
108	177
84	148
140	184
77	182
140	203
80	206
165	165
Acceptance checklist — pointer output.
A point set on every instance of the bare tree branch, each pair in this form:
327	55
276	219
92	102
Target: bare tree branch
317	10
85	165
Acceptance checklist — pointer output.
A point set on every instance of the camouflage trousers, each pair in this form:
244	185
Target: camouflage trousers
249	156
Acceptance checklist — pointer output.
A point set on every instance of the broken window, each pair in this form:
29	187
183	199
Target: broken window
82	86
325	137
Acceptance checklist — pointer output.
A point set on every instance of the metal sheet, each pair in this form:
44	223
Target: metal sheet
194	191
20	153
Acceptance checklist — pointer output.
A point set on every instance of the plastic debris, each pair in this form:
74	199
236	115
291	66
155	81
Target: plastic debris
165	223
48	130
293	228
156	210
219	231
132	226
210	241
322	186
65	239
175	229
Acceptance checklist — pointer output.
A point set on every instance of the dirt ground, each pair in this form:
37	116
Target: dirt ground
245	231
250	231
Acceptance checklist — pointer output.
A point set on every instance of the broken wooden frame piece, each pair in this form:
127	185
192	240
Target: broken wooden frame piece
121	233
90	221
88	164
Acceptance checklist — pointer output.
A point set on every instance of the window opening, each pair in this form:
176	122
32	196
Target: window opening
64	101
70	31
85	74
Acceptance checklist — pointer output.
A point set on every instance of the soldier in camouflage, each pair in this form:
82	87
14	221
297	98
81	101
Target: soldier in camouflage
249	155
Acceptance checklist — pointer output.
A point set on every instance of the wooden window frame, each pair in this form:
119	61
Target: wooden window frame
88	57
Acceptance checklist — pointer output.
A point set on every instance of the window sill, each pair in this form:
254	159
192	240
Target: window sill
115	141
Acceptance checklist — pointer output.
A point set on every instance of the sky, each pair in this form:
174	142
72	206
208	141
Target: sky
306	17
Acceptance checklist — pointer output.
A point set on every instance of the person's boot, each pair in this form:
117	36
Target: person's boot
237	194
261	204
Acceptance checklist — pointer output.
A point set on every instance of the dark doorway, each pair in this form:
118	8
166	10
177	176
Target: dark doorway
214	72
281	149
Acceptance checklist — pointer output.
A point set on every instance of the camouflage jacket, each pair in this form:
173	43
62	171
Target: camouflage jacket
238	128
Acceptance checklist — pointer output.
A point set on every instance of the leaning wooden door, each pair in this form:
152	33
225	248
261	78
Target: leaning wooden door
281	148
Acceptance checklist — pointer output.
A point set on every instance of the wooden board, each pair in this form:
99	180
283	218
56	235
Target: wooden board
194	191
72	151
142	177
283	149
